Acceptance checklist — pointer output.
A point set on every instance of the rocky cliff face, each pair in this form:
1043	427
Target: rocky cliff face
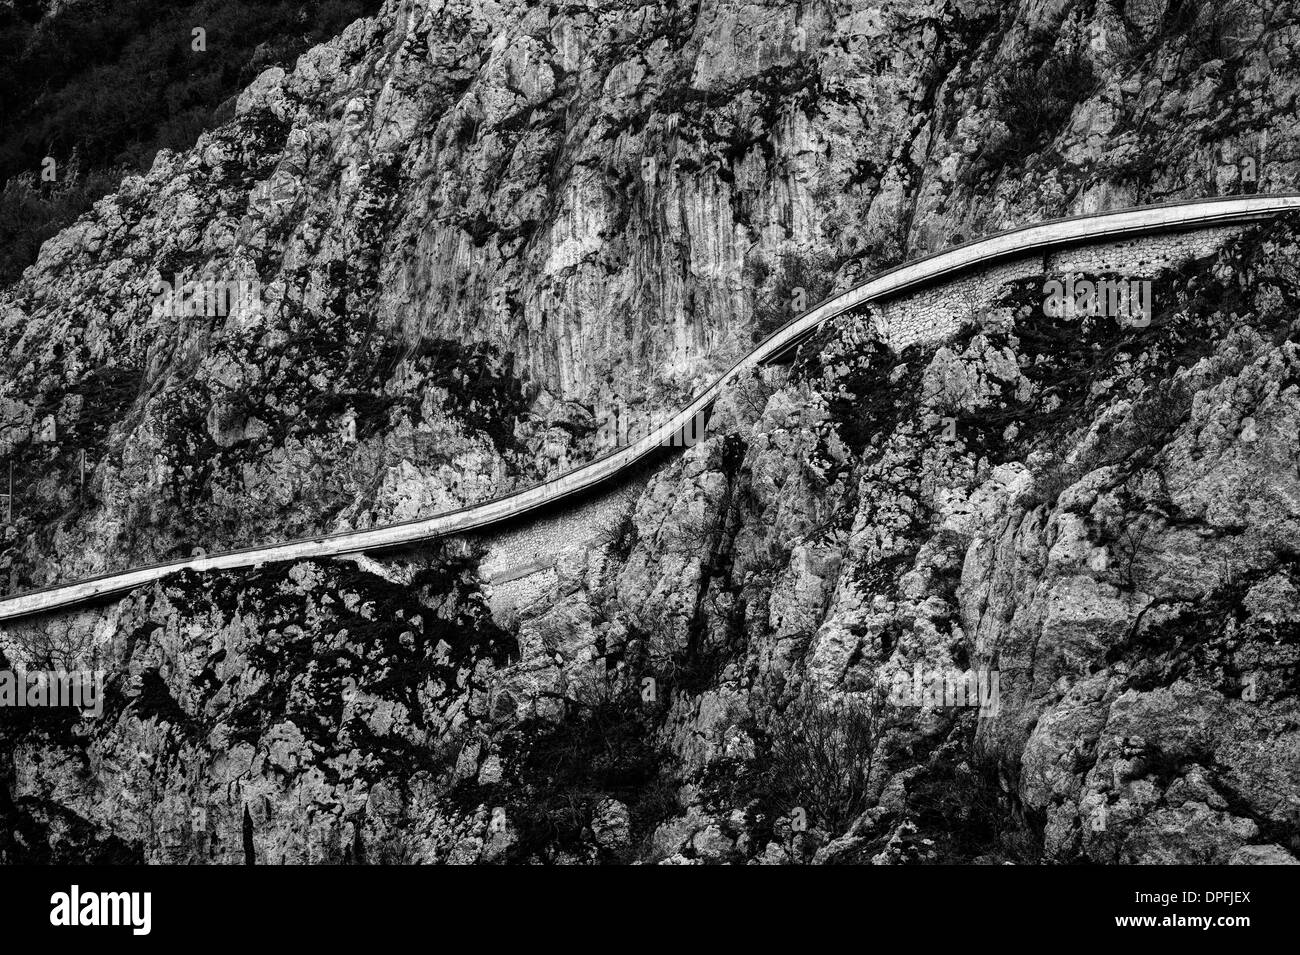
604	202
477	229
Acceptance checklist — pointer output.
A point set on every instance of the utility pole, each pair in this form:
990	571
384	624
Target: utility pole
83	477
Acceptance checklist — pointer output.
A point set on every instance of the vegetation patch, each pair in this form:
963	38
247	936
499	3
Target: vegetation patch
101	85
558	775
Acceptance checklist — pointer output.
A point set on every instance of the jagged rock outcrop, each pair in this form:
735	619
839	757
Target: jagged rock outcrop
295	716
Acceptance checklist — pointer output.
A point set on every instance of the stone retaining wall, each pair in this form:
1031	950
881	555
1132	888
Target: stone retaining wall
519	566
940	311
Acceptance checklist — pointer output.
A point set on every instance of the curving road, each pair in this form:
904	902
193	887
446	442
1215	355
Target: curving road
1168	217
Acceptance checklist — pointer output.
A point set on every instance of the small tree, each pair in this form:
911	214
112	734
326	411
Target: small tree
822	757
619	536
1034	103
1133	545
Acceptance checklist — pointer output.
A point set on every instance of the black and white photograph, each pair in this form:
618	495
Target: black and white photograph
651	432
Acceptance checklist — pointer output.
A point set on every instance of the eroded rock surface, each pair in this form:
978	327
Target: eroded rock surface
479	228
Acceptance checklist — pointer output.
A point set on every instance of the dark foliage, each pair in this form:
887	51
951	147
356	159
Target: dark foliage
1079	366
561	771
822	755
1034	103
964	811
113	81
31	212
800	285
816	758
1208	28
620	537
869	405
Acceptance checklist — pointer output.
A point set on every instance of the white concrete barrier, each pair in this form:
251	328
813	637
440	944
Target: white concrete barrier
1175	216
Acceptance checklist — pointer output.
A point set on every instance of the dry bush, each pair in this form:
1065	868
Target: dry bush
822	757
619	537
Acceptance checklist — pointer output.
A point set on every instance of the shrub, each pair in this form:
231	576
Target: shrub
774	310
1209	29
601	749
619	537
1034	103
31	213
1154	418
821	758
962	806
1132	546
